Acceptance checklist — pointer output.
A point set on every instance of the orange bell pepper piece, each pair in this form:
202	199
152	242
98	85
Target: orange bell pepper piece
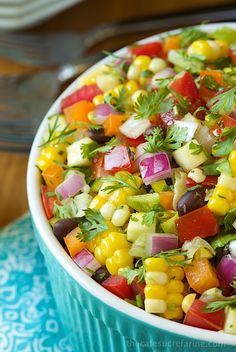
53	175
73	244
78	112
217	76
166	199
201	275
112	124
171	43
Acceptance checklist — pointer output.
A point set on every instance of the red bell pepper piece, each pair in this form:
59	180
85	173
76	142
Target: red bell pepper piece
184	85
48	201
200	222
150	49
227	121
210	181
117	159
131	142
87	92
200	319
232	55
137	287
119	286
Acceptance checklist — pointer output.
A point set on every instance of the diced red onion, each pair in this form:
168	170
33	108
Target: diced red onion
226	270
101	113
154	167
134	128
164	73
86	261
71	186
159	242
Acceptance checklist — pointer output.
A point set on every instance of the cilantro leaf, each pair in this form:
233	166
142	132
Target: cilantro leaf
195	148
189	35
223	103
131	274
148	218
210	83
120	180
119	102
229	219
90	150
91	225
174	138
219	305
152	103
181	59
168	256
222	148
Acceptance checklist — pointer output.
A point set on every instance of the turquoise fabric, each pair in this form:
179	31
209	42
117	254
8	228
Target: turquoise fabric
29	320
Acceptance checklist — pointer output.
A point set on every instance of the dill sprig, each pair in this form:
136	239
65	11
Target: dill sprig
118	103
55	136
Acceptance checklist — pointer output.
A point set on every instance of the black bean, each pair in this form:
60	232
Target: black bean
98	136
101	274
62	227
191	200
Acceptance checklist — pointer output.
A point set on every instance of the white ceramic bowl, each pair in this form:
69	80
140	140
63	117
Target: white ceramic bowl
95	319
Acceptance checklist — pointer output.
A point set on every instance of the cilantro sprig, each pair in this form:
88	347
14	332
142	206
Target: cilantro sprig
91	225
169	257
195	149
189	35
219	305
120	180
153	103
224	147
130	274
223	103
56	136
90	150
173	140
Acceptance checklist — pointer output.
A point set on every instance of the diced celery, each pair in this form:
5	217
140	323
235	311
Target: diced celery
75	155
144	202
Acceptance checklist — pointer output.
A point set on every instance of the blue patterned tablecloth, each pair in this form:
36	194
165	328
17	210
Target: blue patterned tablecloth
28	317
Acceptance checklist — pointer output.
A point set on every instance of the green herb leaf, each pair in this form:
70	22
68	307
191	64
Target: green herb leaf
223	148
173	252
189	35
90	150
121	179
223	103
118	103
131	274
195	148
91	225
152	103
148	218
174	139
229	219
56	136
234	283
193	188
219	305
210	83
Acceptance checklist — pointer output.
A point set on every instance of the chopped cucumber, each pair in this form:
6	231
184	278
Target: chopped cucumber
144	202
136	227
189	158
168	226
221	240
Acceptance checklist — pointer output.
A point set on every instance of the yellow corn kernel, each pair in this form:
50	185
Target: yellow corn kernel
122	258
232	161
111	265
97	202
175	272
156	264
113	241
174	298
155	292
188	301
203	253
99	255
173	313
211	49
118	89
218	206
233	204
157	277
98	99
223	193
118	197
142	62
131	86
156	306
175	286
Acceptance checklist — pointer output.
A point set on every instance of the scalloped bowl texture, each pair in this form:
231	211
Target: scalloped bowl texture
95	319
